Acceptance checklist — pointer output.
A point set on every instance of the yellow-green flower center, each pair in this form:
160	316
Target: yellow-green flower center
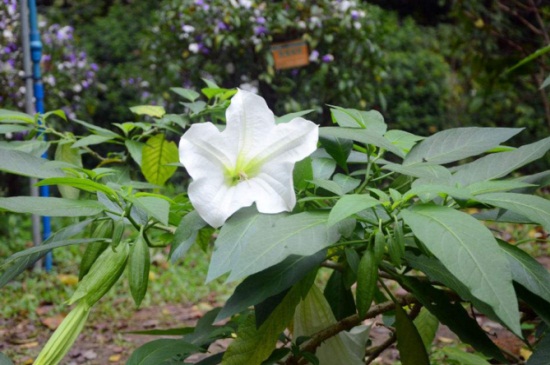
242	171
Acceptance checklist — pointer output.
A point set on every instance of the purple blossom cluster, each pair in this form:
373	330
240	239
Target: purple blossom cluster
66	70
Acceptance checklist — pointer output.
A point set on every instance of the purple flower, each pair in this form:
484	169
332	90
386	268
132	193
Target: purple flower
260	20
46	58
327	58
222	26
260	30
354	14
314	56
94	67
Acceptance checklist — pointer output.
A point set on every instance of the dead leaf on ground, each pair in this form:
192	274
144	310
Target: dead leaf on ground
52	322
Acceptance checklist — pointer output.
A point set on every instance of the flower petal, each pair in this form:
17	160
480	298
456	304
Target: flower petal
249	121
275	192
205	152
288	142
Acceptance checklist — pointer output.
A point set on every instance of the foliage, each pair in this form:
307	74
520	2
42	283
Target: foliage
376	206
68	74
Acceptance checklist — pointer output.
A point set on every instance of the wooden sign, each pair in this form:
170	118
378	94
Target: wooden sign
290	54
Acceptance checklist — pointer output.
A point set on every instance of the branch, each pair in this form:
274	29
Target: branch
346	324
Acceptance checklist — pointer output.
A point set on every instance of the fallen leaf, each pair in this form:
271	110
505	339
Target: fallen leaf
445	339
52	322
29	345
43	309
89	355
114	358
69	279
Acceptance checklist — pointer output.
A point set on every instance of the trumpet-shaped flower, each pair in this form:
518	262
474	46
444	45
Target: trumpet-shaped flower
250	161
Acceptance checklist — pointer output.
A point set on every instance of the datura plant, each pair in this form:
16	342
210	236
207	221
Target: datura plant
327	230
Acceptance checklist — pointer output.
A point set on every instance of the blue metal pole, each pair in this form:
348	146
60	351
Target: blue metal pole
36	55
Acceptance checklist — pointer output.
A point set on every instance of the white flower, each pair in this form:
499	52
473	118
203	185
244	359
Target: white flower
251	161
194	47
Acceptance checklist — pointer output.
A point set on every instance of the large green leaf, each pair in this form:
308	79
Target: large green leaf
403	140
10	116
348	205
409	343
188	94
288	117
314	314
4	360
470	252
186	234
34	147
250	242
260	286
462	357
361	135
424	170
535	208
97	130
427	325
12	128
527	271
338	148
254	345
456	144
54	207
451	314
25	164
135	149
156	207
542	352
500	164
157	155
158	351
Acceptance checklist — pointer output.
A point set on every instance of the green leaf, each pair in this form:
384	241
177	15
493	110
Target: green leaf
462	357
542	352
135	149
156	207
98	130
211	92
427	326
339	296
426	171
545	83
12	128
348	205
500	164
9	116
79	183
540	306
186	234
371	120
451	314
65	153
405	141
485	187
527	271
302	173
367	276
34	147
338	148
54	207
139	262
4	360
188	94
464	246
167	332
155	111
250	242
288	117
361	135
157	155
409	343
262	285
253	345
539	52
25	164
533	207
428	192
314	314
91	140
323	168
457	144
158	351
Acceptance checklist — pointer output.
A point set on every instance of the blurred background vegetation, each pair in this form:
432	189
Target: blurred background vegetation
426	65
